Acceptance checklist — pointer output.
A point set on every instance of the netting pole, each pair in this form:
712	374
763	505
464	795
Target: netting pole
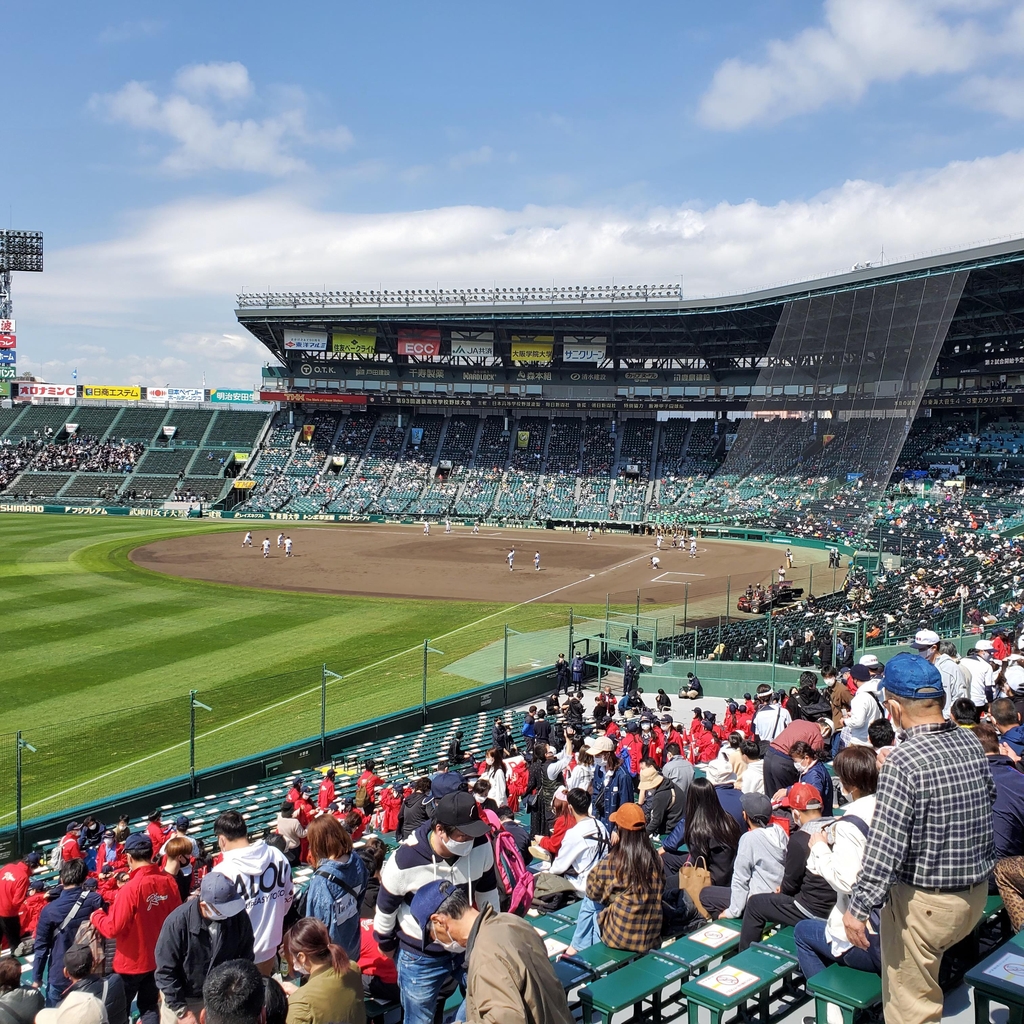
686	603
426	646
17	800
810	581
192	741
570	634
323	713
728	597
637	607
504	671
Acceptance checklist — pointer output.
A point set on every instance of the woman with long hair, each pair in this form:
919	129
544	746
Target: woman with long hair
708	831
497	776
337	887
332	989
624	890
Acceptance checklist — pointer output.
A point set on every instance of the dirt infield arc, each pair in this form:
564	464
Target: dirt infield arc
399	561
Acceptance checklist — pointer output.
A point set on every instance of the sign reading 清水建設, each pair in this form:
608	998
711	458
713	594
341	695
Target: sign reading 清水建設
354	344
229	395
112	392
537	350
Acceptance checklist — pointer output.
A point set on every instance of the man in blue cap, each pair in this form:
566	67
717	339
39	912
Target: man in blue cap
930	850
509	977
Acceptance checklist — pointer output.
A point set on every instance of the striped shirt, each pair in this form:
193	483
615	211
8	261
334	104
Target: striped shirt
932	826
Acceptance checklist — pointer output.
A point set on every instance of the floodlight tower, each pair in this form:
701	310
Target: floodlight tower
19	250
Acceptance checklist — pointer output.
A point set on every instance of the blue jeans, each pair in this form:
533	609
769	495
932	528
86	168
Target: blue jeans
420	978
814	951
587	932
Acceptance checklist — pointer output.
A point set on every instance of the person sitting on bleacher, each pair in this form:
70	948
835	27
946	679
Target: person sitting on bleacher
18	1004
803	894
664	803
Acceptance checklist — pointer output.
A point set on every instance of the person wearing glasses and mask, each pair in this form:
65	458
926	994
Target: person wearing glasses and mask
454	848
509	978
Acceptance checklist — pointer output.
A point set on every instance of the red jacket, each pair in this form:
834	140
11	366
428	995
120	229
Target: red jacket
653	747
69	848
30	911
371	782
13	888
136	916
675	736
325	795
113	860
632	743
553	842
158	834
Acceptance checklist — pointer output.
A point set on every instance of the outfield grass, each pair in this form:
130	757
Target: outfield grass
99	655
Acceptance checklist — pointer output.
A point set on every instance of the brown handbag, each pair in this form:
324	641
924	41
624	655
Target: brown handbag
694	876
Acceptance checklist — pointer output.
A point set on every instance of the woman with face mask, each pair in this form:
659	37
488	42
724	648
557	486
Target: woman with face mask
813	772
331	987
495	774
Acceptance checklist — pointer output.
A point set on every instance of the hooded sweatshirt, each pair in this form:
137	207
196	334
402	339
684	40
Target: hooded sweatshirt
759	866
262	875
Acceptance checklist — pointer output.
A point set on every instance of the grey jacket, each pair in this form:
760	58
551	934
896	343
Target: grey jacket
759	866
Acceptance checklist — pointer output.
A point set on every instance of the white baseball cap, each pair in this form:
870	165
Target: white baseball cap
602	745
869	661
77	1008
925	638
984	645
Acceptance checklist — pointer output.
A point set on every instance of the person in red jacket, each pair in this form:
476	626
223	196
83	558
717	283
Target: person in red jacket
391	799
32	907
134	920
370	781
631	743
295	793
68	846
325	796
110	856
652	744
157	831
13	890
564	820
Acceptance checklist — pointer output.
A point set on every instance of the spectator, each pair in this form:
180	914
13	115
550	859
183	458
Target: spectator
624	890
289	827
18	1005
196	937
836	855
865	707
803	894
109	990
752	780
80	1008
930	850
456	846
692	688
496	775
813	772
68	848
379	975
134	921
547	847
157	831
770	718
266	907
326	793
1008	809
965	713
664	803
275	1002
456	755
178	855
677	769
110	855
14	879
563	674
336	890
30	911
519	834
510	979
955	681
978	666
1006	718
367	782
541	728
332	989
372	853
708	832
234	993
500	738
58	924
883	738
759	865
583	846
413	811
181	826
779	769
613	785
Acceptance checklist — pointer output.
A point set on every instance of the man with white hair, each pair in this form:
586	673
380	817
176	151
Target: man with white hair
955	680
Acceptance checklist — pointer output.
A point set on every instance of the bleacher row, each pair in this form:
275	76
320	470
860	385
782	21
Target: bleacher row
121	452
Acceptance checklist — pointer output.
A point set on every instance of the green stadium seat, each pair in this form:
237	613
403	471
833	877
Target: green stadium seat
850	990
703	947
782	941
602	959
640	982
570	912
746	977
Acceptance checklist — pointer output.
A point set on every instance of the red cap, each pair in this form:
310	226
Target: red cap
802	796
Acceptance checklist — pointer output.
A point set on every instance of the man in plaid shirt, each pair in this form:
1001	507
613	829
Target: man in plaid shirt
930	849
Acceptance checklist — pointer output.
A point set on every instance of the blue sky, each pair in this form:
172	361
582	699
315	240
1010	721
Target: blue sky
174	155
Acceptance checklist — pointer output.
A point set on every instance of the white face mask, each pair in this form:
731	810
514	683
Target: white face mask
801	768
451	946
459	849
301	968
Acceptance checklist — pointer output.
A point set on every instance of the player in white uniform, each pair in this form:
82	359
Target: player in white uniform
789	558
511	558
266	547
655	562
536	560
782	574
693	547
476	528
287	547
447	526
280	540
659	540
247	540
590	533
426	529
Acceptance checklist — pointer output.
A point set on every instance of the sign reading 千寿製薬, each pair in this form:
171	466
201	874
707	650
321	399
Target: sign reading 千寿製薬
228	395
112	392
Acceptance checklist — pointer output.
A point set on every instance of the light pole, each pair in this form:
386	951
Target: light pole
192	705
327	673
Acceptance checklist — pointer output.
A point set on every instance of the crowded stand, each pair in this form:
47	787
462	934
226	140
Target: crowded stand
606	848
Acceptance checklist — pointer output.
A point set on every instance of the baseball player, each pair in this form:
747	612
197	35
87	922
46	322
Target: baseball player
266	547
655	562
247	540
447	526
280	541
287	547
693	547
789	558
658	541
590	533
511	558
536	561
426	529
476	528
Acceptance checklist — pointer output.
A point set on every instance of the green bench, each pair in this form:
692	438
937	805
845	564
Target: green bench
600	959
570	912
747	977
701	948
850	990
994	980
640	982
782	941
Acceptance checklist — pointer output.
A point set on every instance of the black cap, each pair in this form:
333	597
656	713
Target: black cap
459	810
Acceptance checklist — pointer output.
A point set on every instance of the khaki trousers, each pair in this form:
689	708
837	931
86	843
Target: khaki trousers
918	926
168	1016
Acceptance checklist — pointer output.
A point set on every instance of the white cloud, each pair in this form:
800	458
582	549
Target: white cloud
165	290
861	42
1003	95
472	158
207	140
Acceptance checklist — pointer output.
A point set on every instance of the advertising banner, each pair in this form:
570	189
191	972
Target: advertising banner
8	372
575	350
307	431
156	394
242	457
416	436
185	395
354	344
419	343
30	390
244	485
7	327
533	350
475	349
8	357
5	389
112	392
8	341
305	341
311	398
522	439
229	395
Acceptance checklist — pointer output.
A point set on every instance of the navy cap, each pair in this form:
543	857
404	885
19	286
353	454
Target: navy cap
444	783
73	826
181	822
37	884
912	677
33	859
861	673
138	841
428	901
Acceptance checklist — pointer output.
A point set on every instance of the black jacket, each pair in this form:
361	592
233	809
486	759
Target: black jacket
20	1005
664	807
811	891
186	951
113	999
542	730
411	815
51	941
